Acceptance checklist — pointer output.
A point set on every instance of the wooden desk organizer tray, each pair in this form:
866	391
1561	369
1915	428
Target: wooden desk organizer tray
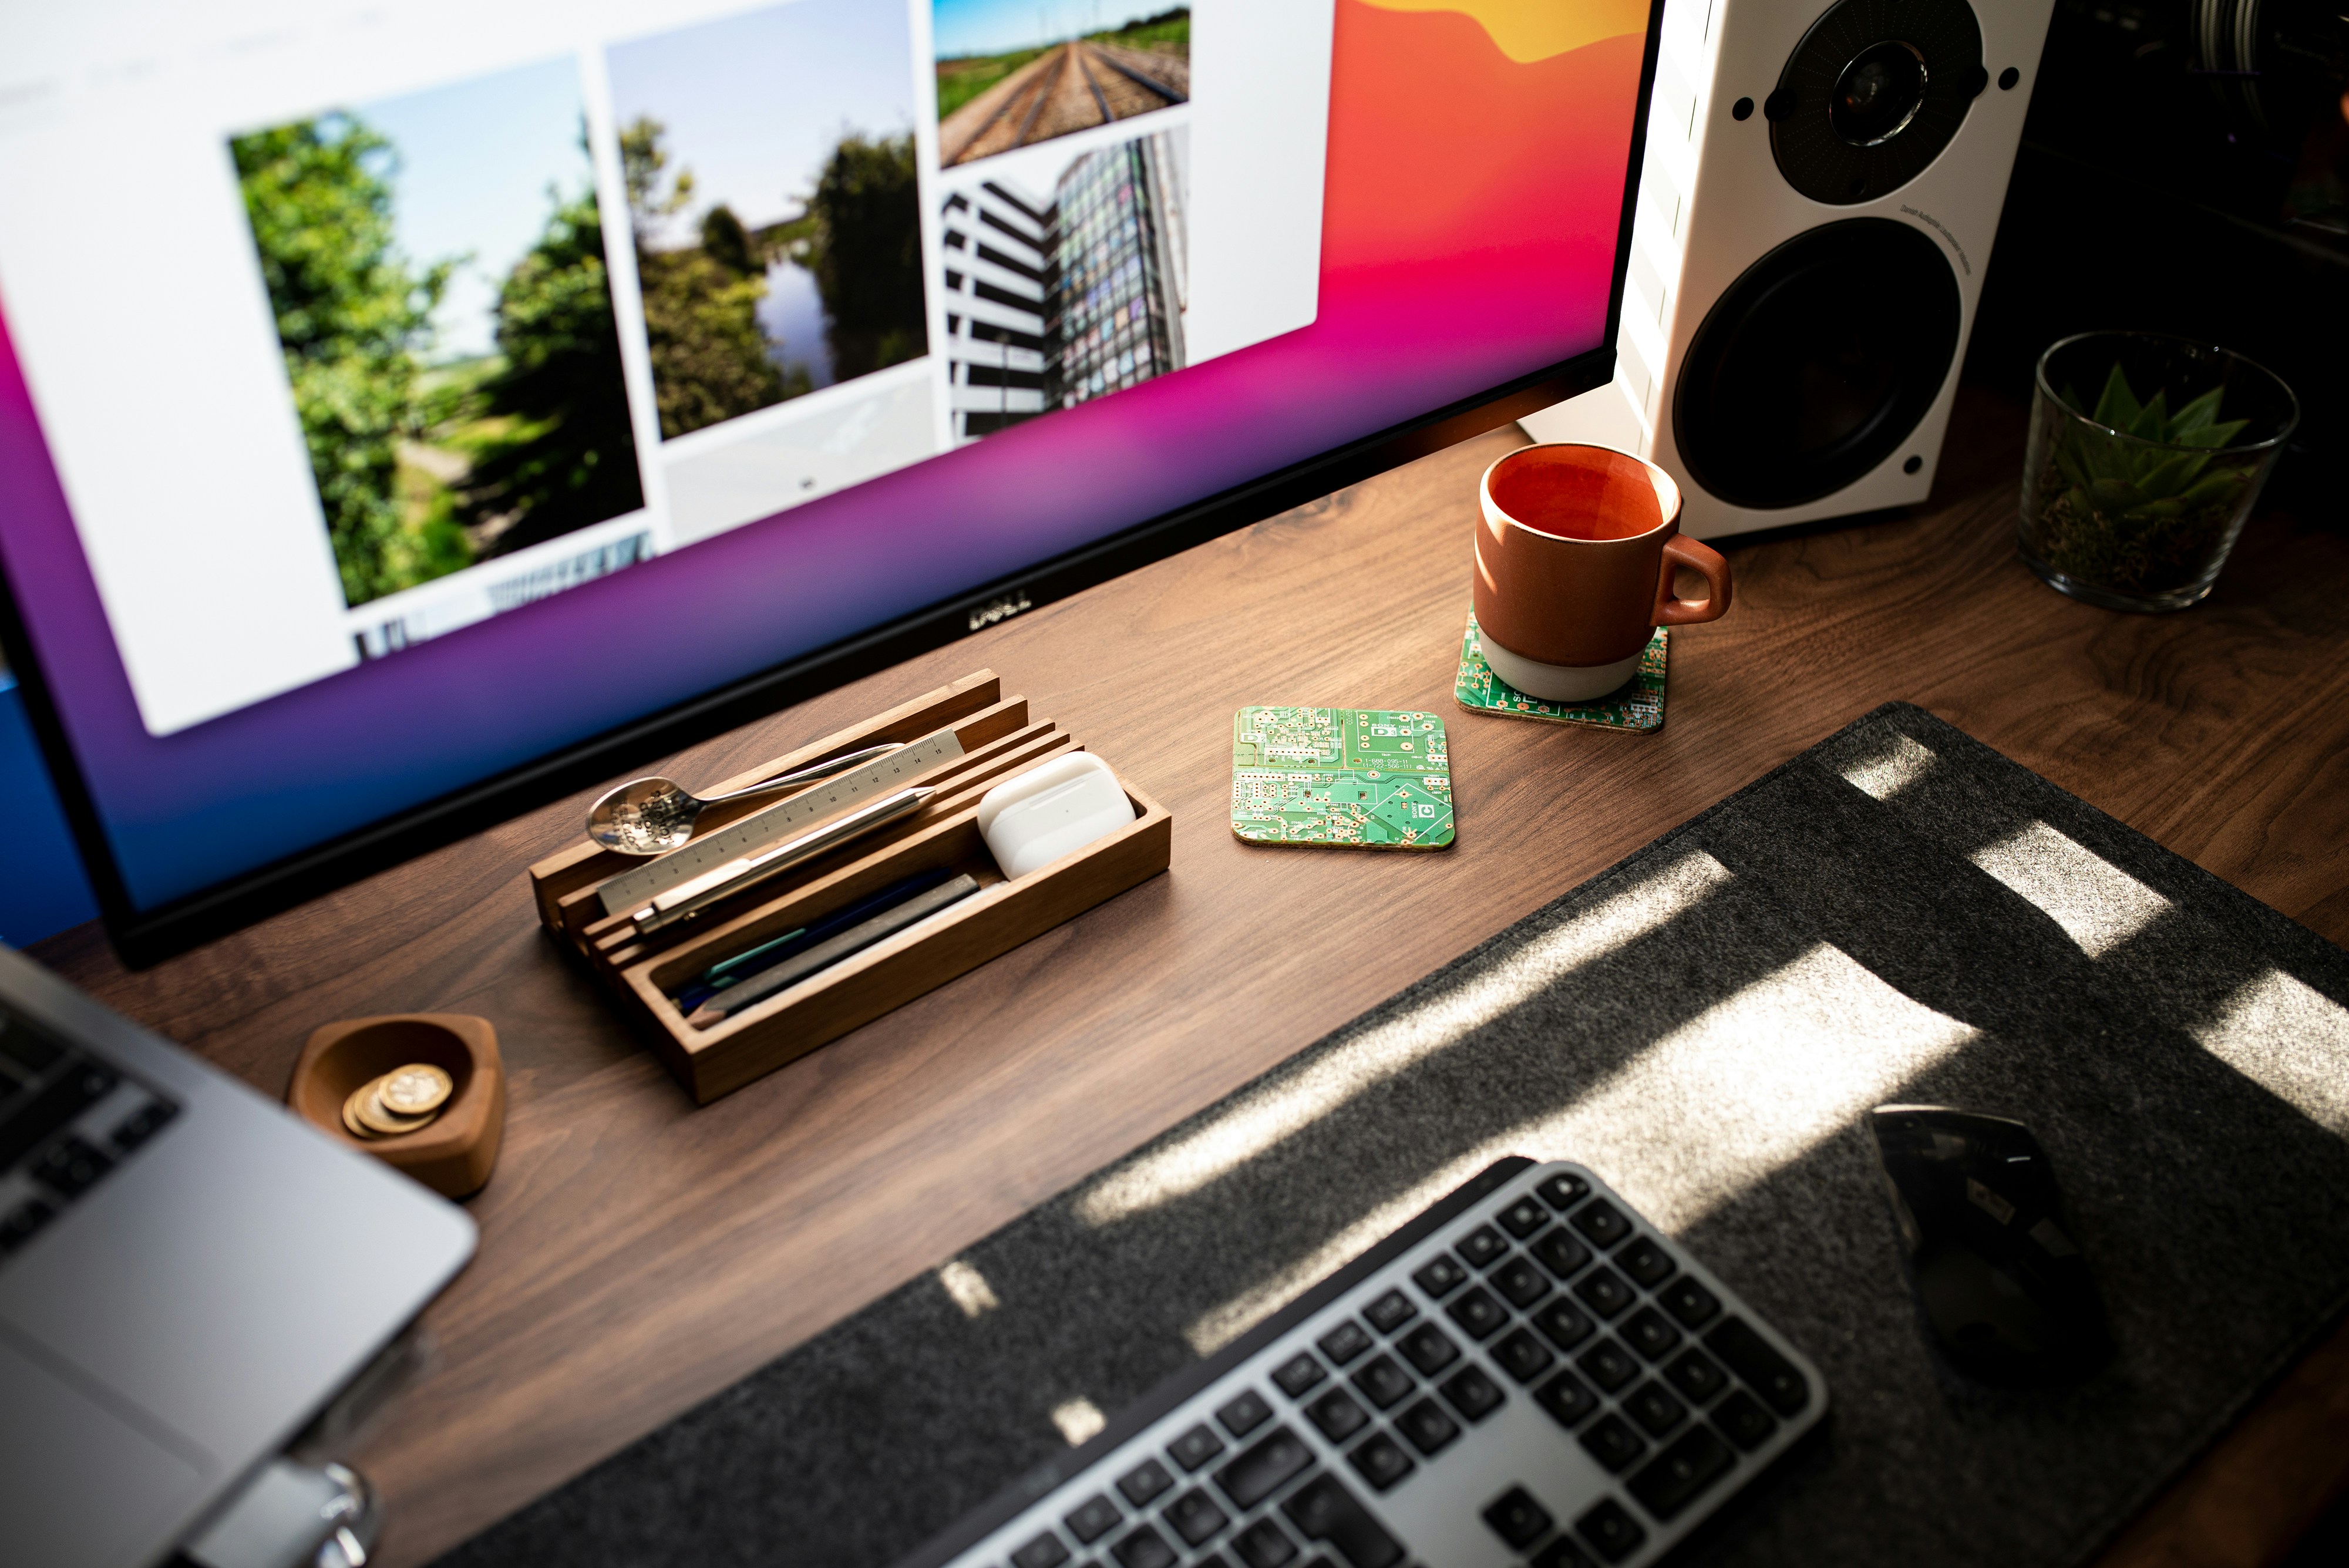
644	972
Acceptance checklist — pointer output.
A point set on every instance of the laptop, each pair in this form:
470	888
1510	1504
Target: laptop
188	1272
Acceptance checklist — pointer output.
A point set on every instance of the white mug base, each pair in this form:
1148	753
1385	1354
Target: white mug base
1558	682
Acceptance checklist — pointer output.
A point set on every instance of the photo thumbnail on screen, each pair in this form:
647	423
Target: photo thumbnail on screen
1012	74
774	200
1068	289
436	268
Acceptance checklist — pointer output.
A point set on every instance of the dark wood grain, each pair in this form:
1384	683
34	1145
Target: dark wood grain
638	1254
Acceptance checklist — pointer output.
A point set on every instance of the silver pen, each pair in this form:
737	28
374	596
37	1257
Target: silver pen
688	899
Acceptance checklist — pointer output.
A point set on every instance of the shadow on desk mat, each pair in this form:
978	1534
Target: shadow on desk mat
1900	913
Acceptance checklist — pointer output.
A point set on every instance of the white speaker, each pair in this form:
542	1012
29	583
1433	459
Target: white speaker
1816	208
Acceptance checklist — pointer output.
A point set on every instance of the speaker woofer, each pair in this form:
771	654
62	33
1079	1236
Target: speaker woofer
1872	94
1816	365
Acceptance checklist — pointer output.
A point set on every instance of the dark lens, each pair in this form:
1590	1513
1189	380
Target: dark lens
1878	95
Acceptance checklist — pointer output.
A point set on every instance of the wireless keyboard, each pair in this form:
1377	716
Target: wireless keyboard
1525	1373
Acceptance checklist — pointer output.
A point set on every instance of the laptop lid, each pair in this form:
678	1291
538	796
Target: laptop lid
187	1273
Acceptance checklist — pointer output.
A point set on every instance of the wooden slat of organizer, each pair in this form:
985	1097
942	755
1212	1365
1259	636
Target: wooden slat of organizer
642	972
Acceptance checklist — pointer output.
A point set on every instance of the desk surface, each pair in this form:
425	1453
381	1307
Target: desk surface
638	1254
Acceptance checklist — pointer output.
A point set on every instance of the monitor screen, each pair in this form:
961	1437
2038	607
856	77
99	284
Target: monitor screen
394	395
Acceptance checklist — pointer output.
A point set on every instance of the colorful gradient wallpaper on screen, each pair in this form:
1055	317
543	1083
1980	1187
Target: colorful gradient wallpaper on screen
1476	162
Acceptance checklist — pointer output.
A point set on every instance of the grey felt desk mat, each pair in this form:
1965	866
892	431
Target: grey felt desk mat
1704	1024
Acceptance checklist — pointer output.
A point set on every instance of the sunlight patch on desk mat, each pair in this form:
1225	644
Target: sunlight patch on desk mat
1638	706
1881	919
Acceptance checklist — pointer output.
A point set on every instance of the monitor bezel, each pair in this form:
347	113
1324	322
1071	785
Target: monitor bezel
143	937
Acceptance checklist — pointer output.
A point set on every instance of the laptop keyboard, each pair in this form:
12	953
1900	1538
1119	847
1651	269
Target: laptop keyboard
67	1120
1526	1373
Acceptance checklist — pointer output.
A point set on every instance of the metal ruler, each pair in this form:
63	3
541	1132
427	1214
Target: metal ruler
632	889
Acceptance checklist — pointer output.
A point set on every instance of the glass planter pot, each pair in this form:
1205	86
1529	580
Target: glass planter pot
2146	454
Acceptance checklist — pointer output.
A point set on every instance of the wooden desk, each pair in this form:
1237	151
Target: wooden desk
639	1255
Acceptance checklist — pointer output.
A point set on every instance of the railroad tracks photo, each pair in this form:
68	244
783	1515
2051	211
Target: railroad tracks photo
1071	87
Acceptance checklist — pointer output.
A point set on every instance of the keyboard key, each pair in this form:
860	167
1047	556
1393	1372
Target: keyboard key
1522	1217
26	1050
1601	1222
1673	1479
1484	1246
1563	1323
1742	1417
1604	1291
24	1221
71	1168
1611	1530
140	1125
1609	1364
1383	1382
1427	1426
1263	1469
1559	1251
1559	1553
1567	1398
1264	1544
1612	1442
1094	1518
1520	1282
1298	1373
1647	1262
1146	1548
1441	1278
1769	1373
1391	1311
1323	1510
1426	1348
1471	1392
1656	1407
1562	1192
66	1097
1344	1343
1194	1517
1689	1301
1144	1482
1476	1313
1651	1334
1337	1415
1241	1416
1197	1446
1381	1461
1517	1518
1695	1375
1522	1354
1045	1550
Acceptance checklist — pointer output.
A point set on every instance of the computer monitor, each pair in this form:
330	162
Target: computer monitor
410	410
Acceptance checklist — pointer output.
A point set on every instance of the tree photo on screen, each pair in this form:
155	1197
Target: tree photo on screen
777	231
435	267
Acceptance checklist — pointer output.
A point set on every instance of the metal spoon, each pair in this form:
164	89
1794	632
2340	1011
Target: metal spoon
655	816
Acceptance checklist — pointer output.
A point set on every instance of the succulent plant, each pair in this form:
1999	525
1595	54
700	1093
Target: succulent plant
2112	509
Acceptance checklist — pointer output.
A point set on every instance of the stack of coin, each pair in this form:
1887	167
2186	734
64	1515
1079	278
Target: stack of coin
401	1101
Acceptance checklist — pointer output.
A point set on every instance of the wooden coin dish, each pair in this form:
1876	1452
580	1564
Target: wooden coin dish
454	1154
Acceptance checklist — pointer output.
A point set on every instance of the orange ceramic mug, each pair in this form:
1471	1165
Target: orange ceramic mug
1573	568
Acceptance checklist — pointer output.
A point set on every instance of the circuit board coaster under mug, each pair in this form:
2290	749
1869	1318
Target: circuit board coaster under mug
1362	778
1638	704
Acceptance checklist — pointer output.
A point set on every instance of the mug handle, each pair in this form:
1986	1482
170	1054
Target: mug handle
1673	611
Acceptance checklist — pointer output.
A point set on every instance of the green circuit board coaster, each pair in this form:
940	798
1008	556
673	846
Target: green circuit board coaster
1368	778
1638	706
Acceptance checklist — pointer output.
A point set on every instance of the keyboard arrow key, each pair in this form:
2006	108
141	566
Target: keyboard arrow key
1323	1510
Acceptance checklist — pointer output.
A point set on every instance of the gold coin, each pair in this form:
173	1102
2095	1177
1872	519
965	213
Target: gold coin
417	1089
357	1128
388	1123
